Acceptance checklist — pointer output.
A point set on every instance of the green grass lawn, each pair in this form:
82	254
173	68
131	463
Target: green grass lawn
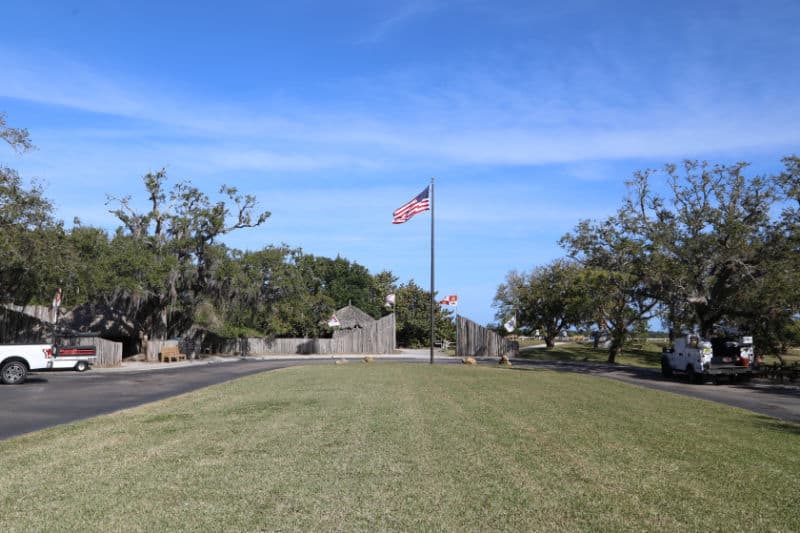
792	357
525	343
648	355
409	447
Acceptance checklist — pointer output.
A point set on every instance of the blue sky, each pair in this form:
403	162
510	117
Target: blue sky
530	115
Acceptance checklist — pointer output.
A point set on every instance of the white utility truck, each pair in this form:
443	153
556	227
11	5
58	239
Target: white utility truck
16	360
701	358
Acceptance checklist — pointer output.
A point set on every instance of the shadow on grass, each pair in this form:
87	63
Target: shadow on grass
596	368
774	424
527	368
642	357
652	378
650	358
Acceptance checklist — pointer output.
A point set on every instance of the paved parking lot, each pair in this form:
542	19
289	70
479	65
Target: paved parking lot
51	398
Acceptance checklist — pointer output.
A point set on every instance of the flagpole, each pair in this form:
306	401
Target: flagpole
433	303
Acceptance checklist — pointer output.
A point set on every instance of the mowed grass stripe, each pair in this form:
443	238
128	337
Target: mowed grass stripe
392	446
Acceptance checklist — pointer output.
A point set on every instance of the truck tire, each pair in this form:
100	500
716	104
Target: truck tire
13	373
81	366
666	369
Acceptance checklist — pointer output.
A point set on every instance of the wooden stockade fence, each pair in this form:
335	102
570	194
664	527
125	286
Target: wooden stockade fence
475	340
377	337
30	324
154	348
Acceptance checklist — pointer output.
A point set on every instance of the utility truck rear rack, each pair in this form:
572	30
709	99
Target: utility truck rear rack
79	358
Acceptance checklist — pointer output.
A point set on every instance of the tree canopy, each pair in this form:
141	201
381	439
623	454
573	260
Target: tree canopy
414	317
28	232
548	298
707	248
165	271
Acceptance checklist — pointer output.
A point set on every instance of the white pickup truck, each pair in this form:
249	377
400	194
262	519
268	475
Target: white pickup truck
16	360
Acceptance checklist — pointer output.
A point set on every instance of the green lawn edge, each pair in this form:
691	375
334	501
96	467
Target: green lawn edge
408	446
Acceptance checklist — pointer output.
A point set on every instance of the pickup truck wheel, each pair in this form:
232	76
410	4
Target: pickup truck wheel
81	366
13	373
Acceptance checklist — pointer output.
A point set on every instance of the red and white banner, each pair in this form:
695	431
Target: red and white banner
450	300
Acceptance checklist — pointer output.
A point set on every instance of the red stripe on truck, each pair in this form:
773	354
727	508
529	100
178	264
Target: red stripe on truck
76	351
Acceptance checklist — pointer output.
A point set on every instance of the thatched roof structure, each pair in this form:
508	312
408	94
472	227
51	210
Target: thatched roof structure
352	317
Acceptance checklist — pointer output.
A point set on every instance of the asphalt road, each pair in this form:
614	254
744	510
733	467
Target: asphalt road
52	398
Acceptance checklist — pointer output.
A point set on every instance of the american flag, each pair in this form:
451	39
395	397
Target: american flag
418	204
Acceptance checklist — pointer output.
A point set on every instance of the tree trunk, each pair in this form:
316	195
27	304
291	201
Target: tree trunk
617	341
549	341
673	334
613	352
706	323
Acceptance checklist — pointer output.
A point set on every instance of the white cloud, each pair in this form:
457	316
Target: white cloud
570	112
51	79
399	17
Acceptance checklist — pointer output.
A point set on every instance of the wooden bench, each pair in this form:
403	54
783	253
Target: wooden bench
171	353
